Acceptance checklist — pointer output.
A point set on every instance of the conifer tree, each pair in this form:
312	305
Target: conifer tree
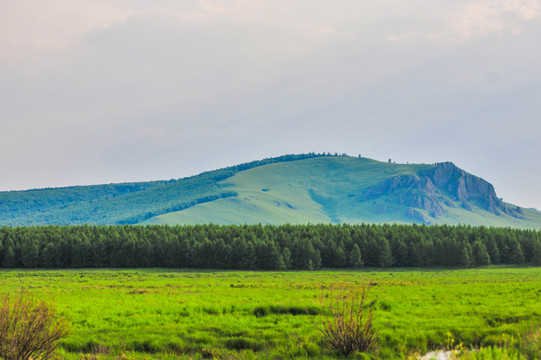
385	256
354	258
400	250
515	252
286	258
316	259
9	260
480	253
536	253
466	256
340	258
248	261
493	250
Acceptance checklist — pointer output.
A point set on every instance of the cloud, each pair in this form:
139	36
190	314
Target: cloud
483	18
479	18
27	25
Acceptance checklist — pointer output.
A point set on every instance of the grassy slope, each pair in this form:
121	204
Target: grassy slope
287	183
127	203
321	190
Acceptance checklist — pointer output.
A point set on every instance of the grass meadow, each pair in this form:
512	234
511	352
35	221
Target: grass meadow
168	314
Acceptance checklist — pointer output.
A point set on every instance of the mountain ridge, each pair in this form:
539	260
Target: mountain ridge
304	188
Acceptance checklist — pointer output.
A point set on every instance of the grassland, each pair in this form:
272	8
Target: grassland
160	314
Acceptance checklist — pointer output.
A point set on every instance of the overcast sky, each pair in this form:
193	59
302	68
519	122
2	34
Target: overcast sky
100	91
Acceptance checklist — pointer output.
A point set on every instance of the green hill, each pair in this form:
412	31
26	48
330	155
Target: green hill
308	188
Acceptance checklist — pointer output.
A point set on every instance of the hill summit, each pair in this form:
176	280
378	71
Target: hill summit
306	188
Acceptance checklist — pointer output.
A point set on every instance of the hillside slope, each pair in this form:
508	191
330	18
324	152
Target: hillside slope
128	203
306	188
353	190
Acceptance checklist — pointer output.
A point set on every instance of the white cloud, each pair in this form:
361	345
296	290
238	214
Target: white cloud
485	17
27	25
37	27
479	18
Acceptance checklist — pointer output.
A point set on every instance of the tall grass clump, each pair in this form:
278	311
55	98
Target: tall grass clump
346	321
530	342
29	329
526	345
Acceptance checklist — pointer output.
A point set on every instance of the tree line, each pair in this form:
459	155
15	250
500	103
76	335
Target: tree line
268	247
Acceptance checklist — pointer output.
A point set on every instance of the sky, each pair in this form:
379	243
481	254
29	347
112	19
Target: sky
103	91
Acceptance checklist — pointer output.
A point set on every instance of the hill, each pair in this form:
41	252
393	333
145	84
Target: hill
309	188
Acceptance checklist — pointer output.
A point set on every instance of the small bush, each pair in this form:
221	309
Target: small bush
29	329
347	320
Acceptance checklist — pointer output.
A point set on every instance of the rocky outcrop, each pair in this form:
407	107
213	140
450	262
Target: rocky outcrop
434	189
467	189
400	182
408	190
464	187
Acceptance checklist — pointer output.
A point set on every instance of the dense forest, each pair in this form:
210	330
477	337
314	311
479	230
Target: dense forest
266	247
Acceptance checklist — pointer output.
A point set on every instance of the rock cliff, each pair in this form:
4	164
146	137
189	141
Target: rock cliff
437	188
465	187
409	190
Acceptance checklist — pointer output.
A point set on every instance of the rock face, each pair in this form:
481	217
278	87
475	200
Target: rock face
465	187
437	188
409	190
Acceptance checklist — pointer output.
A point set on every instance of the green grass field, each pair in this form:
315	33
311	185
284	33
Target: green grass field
161	314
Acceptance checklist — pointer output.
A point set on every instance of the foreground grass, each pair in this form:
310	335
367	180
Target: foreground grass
166	314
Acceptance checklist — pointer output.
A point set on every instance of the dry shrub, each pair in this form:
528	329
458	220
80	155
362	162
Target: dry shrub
347	320
29	329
